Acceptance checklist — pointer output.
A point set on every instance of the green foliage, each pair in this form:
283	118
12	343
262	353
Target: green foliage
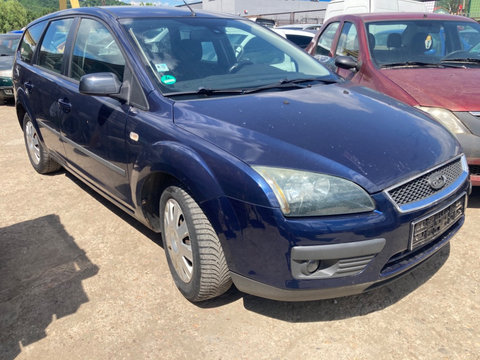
15	14
12	16
87	3
454	6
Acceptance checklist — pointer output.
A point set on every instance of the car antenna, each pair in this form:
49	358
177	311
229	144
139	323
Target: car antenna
191	10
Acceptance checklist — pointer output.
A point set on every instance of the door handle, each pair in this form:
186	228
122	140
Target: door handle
65	105
28	86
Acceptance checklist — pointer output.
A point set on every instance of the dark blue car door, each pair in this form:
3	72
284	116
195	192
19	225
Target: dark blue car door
94	126
41	83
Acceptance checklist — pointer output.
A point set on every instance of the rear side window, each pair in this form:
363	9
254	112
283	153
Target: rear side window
53	45
96	51
30	41
326	39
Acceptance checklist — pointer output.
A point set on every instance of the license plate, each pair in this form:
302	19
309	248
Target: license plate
8	92
431	227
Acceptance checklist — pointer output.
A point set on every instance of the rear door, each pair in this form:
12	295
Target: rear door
94	127
41	80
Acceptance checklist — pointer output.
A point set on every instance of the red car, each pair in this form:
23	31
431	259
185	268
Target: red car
429	61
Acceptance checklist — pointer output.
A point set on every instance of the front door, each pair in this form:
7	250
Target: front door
94	127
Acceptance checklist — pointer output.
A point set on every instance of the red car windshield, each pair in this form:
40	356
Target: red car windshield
416	42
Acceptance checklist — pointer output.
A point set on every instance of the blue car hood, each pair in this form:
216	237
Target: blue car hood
338	129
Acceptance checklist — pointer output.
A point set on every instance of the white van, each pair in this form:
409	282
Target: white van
340	7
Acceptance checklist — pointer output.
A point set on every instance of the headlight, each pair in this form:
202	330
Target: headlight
447	119
6	73
303	193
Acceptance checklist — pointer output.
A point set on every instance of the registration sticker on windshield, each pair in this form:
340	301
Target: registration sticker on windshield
161	67
168	79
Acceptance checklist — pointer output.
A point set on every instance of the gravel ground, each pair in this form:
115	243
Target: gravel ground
79	279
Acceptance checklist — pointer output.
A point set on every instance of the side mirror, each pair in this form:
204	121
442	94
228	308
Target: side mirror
101	84
347	62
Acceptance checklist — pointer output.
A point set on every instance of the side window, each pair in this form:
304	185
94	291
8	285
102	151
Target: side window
348	42
208	52
53	45
30	41
469	36
95	51
325	40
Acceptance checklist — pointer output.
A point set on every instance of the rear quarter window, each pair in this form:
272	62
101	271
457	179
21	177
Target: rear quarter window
30	40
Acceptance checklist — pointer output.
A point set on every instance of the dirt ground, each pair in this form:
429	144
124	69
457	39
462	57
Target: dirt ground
79	279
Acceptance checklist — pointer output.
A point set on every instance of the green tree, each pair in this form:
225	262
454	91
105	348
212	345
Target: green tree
12	16
455	6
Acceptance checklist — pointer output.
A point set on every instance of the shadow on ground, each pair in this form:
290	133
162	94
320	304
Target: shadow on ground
155	237
41	269
474	198
341	308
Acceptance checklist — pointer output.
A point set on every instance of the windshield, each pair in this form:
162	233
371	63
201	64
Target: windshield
423	42
188	54
8	44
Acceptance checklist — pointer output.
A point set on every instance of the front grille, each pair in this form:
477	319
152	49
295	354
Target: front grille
474	169
419	188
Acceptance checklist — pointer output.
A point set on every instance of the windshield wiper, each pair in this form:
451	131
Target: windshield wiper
462	61
206	92
290	83
286	83
410	64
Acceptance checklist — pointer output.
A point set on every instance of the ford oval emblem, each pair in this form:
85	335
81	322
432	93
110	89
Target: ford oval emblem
437	181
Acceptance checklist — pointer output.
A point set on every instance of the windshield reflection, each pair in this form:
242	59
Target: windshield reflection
186	55
419	43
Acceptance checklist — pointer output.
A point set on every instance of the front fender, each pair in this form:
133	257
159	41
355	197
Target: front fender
180	162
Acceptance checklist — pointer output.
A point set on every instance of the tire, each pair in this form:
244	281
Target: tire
194	253
38	155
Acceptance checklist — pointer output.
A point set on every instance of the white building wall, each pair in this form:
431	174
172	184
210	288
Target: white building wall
256	7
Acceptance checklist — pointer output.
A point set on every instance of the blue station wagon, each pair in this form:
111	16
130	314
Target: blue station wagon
256	164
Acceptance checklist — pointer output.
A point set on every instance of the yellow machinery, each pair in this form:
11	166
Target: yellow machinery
63	4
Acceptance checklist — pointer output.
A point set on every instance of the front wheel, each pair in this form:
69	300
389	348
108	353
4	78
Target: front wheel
38	155
194	253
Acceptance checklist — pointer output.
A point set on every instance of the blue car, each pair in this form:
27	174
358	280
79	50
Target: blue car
256	164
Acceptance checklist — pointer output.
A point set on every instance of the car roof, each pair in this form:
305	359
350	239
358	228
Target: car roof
367	17
294	32
122	12
11	36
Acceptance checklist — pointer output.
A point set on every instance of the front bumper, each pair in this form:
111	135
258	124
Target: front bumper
6	92
474	165
357	253
6	88
471	147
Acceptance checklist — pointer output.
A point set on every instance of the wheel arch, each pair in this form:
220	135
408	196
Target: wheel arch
21	111
171	163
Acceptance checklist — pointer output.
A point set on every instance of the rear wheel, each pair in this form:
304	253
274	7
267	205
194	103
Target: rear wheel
38	155
194	253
